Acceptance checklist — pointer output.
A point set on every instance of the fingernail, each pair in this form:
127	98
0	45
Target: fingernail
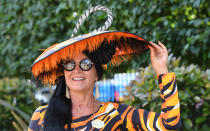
151	43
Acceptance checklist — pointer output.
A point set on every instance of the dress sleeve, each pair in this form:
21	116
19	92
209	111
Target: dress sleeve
36	122
168	119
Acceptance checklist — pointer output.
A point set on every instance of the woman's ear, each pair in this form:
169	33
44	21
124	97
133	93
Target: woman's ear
97	79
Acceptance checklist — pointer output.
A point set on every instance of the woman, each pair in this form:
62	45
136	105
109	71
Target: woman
73	106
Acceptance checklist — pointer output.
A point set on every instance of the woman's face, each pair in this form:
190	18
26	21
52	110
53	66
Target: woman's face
79	80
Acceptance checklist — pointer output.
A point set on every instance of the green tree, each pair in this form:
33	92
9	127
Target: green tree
27	26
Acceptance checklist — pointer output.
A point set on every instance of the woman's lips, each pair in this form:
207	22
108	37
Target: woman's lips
78	78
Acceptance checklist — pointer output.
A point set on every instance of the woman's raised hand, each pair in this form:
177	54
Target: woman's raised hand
159	57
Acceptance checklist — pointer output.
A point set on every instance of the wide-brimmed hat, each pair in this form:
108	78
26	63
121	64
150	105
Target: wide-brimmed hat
47	67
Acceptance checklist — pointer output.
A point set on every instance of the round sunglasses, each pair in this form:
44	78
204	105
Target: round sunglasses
85	65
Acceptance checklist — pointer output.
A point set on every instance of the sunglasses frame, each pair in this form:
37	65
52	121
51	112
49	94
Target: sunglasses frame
64	65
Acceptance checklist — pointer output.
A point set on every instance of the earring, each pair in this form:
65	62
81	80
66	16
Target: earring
67	92
97	94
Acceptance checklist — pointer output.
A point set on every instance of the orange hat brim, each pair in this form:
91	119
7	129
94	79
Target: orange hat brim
46	66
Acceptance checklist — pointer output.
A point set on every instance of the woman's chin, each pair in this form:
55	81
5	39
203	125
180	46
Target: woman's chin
79	88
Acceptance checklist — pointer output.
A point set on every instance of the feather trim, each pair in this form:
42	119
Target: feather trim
51	63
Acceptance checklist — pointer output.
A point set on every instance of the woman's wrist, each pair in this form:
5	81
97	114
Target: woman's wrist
161	71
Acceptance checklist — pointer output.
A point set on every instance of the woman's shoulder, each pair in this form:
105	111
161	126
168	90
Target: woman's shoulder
37	118
39	113
41	108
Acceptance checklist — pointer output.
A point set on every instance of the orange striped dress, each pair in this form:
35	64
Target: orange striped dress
115	117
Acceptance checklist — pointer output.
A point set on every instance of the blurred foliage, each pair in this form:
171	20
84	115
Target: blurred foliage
20	124
194	93
27	26
17	103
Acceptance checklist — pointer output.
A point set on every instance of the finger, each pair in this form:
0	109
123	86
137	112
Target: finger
153	46
156	47
163	47
151	50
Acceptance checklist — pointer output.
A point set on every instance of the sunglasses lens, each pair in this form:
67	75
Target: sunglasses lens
85	64
69	66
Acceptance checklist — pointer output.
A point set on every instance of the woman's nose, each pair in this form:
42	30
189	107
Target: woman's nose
77	69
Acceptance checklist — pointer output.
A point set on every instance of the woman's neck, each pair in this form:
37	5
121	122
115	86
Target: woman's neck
83	104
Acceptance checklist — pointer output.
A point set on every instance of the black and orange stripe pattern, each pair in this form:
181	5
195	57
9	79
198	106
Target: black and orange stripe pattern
116	117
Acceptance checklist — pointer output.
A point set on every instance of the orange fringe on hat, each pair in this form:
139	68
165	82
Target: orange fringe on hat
49	66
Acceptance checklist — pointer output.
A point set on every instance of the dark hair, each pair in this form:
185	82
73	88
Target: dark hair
102	55
59	111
